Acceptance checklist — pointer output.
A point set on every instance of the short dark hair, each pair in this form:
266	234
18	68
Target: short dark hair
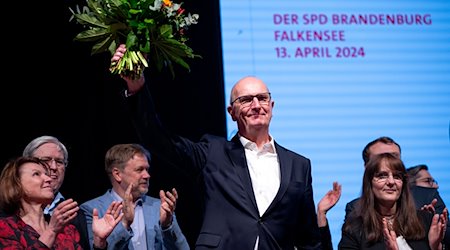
382	139
413	171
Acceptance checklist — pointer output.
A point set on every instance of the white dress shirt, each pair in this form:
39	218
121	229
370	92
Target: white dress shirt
264	170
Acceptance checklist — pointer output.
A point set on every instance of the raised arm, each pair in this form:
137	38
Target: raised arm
327	202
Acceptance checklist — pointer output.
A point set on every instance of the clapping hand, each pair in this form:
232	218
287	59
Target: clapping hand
128	207
437	229
102	227
390	237
167	208
430	207
63	214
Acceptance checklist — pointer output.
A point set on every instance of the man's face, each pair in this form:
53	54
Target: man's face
136	173
380	148
252	106
54	157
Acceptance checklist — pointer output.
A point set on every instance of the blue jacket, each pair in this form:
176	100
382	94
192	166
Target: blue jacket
120	238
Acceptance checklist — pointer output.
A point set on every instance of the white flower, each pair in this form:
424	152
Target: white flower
190	19
156	5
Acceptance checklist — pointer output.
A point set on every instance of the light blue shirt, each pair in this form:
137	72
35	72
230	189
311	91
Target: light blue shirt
138	239
49	208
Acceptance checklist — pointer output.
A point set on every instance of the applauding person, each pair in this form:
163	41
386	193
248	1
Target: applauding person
386	216
148	223
26	190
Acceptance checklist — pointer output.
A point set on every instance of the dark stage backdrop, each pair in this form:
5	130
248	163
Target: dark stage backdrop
55	87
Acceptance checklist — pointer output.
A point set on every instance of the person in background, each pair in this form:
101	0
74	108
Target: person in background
380	145
424	189
148	223
53	152
325	204
386	216
26	189
257	194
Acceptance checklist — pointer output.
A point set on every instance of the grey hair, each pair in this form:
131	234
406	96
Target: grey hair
39	141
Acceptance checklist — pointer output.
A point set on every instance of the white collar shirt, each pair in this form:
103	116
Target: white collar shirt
264	170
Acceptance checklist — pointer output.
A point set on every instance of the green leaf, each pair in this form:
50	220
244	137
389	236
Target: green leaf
102	46
165	31
86	19
135	11
112	47
92	35
131	41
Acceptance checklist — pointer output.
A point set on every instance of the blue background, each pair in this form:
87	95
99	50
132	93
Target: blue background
329	108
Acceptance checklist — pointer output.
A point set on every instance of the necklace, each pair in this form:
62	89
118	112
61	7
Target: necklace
390	221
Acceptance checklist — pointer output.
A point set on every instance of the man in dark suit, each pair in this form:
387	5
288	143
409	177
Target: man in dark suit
55	154
257	194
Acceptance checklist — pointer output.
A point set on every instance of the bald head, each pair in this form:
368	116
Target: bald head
249	85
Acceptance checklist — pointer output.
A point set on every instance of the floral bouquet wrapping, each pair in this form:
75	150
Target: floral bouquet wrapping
153	28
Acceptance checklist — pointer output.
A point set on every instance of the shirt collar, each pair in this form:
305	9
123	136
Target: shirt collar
49	208
268	147
138	202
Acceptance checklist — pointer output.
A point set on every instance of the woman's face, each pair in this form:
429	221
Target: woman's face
36	183
387	185
54	157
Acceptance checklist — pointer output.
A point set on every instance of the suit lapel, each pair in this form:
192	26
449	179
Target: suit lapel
237	156
285	172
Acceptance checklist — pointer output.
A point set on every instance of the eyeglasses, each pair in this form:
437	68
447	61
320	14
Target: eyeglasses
430	181
59	162
247	100
384	176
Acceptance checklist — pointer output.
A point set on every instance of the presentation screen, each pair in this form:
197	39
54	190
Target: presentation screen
343	73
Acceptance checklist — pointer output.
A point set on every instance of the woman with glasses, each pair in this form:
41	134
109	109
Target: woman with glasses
385	216
424	189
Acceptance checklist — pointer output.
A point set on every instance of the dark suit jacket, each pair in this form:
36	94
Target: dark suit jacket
349	207
424	196
231	219
357	240
80	223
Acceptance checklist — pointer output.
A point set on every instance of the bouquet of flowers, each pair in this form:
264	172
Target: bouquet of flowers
156	28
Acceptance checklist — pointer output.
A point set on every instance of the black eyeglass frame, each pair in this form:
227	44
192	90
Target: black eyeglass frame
239	98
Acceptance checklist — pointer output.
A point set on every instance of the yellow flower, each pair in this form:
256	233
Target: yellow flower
167	3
